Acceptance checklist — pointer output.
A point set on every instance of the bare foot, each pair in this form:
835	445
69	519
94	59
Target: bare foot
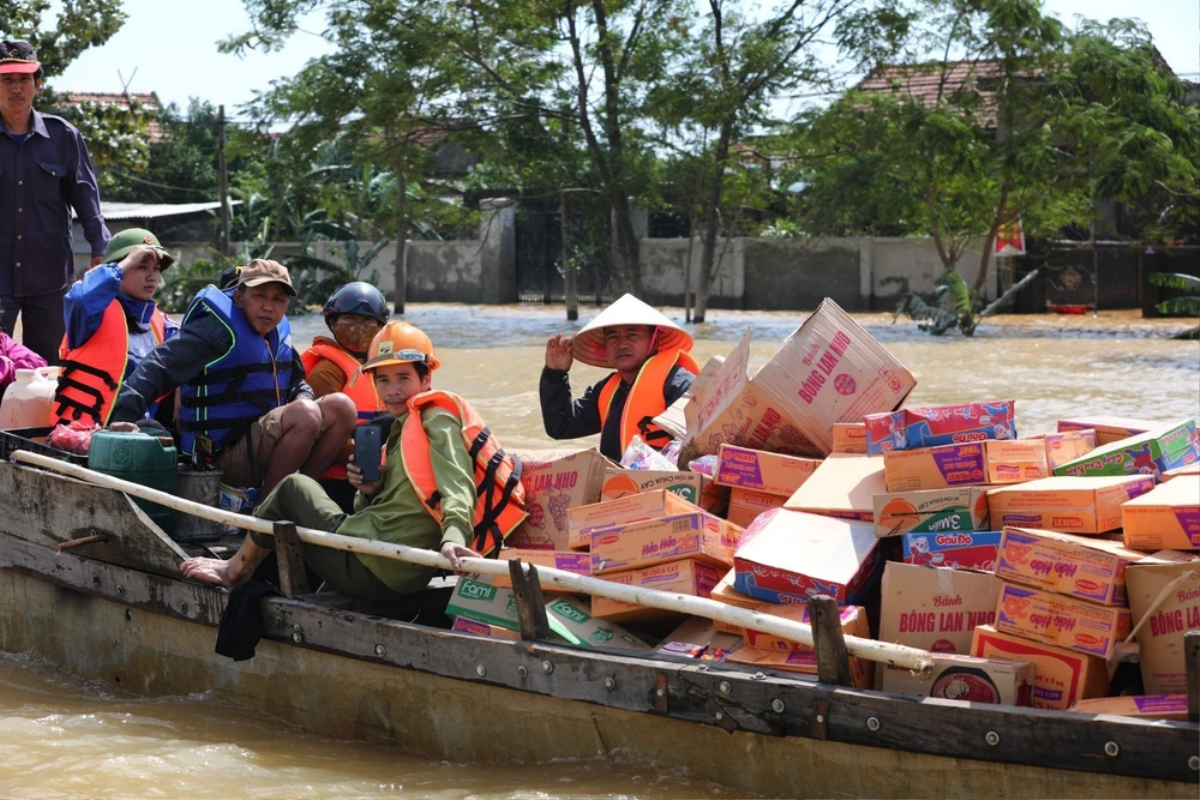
212	570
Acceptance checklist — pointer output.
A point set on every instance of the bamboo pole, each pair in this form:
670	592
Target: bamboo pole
919	661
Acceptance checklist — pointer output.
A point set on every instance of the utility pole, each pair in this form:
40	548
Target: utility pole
223	170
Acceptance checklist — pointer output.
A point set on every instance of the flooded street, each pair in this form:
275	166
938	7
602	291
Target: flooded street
64	738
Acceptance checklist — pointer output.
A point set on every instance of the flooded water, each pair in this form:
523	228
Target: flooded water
60	737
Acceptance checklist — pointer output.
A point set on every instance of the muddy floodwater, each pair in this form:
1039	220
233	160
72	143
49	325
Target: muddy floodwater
60	737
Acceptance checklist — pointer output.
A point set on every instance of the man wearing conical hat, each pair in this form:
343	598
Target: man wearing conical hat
654	367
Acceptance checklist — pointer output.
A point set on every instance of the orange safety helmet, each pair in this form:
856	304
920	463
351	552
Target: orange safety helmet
400	342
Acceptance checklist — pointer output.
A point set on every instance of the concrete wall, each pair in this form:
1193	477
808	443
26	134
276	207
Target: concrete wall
911	265
664	264
784	274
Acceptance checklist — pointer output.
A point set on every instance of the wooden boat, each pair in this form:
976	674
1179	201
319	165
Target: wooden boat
118	611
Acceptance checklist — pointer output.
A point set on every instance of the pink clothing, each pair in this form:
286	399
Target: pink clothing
15	356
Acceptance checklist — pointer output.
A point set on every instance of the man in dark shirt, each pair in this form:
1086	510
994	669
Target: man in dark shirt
653	370
45	171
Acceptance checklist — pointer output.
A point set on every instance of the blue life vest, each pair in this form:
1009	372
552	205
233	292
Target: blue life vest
220	404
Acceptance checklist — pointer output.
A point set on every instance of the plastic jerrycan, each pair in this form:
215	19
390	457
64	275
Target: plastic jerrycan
28	400
139	458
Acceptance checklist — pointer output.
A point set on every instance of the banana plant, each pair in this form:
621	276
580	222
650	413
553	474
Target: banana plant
1187	306
957	305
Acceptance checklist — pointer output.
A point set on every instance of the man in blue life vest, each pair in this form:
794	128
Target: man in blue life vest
438	450
654	367
245	405
112	324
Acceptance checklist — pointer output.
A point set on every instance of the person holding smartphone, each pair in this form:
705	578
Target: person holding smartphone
390	508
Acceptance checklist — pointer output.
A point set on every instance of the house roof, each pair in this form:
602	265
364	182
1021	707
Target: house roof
921	82
153	129
124	211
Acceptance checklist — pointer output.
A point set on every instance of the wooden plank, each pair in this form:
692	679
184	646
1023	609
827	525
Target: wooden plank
1191	654
531	605
833	662
762	704
293	577
49	509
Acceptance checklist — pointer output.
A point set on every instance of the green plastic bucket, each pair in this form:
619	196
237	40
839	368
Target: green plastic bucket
138	458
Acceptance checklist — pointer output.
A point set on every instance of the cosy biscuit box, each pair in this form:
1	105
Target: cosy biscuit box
1150	453
960	549
935	467
697	535
1108	429
1164	598
1015	460
1072	505
790	556
935	510
1061	677
685	576
1062	621
966	679
554	481
1167	516
566	560
1066	446
932	426
844	486
621	482
1087	568
935	609
745	505
759	471
582	520
850	437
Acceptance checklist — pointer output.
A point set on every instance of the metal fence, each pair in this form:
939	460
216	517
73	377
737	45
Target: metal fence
539	261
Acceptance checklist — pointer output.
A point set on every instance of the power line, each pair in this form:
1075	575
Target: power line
135	179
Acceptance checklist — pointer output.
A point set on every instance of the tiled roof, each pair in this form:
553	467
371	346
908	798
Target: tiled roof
921	82
149	99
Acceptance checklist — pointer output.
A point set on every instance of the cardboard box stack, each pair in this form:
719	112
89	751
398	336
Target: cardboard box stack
1152	453
759	481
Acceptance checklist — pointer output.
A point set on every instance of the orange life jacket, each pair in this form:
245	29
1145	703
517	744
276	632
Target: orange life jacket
500	497
645	400
92	373
362	392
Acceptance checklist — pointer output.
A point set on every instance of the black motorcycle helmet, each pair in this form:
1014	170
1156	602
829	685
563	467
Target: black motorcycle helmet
358	298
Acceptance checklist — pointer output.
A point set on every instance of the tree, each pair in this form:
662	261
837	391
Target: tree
181	165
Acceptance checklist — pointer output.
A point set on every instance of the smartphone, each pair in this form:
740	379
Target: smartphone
368	447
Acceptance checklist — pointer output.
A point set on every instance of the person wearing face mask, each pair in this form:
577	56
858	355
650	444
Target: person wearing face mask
112	323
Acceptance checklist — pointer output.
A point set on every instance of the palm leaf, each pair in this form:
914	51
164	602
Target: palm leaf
1175	280
1183	306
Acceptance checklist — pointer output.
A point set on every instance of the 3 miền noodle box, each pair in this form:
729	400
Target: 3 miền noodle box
1167	516
554	481
685	576
935	467
1152	453
745	505
759	471
935	609
1087	568
931	511
844	486
932	426
1164	598
967	679
1072	505
1063	621
1061	677
828	370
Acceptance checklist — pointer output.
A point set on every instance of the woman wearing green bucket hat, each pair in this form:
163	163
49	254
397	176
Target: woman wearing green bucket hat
112	323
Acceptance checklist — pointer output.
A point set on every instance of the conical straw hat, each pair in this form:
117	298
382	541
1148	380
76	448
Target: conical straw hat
588	344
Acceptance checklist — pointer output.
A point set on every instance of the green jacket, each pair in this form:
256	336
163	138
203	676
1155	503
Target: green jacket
396	514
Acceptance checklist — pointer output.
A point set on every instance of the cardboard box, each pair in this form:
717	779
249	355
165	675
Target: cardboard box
850	437
829	370
1108	429
1087	568
566	560
696	535
935	467
700	639
1067	446
724	592
1015	460
1074	505
554	481
759	471
685	576
843	486
1179	472
803	662
570	620
1160	628
932	511
1151	453
964	550
465	625
1153	706
745	505
1062	621
853	619
935	609
790	556
967	679
582	520
933	426
1061	677
1167	516
621	482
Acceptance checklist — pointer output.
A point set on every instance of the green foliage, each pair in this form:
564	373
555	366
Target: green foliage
1188	306
956	306
182	281
316	278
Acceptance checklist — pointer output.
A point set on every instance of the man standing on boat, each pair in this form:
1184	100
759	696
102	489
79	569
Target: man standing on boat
245	405
425	496
45	171
654	367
